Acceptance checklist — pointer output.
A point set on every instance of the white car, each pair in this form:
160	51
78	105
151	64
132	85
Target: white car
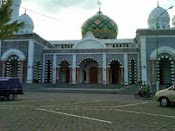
166	96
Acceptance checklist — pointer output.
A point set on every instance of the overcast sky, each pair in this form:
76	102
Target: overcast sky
67	16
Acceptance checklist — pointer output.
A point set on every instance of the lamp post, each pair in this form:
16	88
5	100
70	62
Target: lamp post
157	43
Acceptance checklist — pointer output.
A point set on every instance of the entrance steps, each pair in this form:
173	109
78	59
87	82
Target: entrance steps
81	88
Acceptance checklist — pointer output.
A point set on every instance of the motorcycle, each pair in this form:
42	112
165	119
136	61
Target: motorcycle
139	95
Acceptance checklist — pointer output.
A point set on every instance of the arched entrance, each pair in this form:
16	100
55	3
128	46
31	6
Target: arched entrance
93	75
64	74
13	67
88	72
165	71
13	62
115	72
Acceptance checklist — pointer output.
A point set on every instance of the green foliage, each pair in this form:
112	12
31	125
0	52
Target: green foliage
8	28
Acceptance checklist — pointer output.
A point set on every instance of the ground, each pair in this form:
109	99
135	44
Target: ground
41	111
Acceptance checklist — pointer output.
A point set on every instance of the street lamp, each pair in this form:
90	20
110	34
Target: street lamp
157	26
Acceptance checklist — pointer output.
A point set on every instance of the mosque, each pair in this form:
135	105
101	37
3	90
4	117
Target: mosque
98	58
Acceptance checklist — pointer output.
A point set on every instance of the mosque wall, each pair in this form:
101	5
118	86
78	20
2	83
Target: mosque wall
151	45
111	57
60	58
97	57
38	52
19	45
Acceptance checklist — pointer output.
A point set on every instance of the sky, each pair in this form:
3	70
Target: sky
65	17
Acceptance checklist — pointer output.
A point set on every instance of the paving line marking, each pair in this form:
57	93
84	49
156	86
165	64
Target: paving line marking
72	115
127	105
145	113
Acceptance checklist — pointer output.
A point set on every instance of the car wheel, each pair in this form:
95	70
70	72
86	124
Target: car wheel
11	97
164	102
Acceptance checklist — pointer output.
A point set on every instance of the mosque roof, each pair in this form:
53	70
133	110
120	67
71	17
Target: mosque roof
28	23
159	15
101	26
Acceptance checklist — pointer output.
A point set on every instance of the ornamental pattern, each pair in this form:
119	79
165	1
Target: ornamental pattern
101	26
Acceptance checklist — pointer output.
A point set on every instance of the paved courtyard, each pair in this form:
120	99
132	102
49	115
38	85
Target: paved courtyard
41	111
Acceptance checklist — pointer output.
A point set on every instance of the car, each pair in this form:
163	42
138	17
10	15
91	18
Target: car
166	96
10	88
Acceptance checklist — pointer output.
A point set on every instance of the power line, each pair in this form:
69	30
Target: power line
65	6
42	14
36	12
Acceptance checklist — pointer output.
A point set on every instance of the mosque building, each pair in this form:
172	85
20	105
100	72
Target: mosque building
98	58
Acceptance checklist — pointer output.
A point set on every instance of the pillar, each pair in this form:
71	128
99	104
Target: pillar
70	77
104	69
100	75
87	75
107	75
21	71
0	59
77	74
153	72
74	69
143	60
58	74
122	75
3	68
126	69
30	62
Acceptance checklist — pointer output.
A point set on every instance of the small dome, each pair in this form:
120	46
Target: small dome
160	16
28	23
101	26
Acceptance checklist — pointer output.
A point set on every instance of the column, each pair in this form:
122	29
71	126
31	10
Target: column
126	69
153	72
87	75
54	69
100	75
3	68
107	75
21	71
74	69
58	74
30	62
77	74
104	69
70	77
122	75
143	61
0	59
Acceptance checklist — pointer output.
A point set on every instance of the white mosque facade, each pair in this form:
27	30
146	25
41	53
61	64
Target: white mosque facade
98	58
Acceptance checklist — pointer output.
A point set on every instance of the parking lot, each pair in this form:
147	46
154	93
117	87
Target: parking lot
36	111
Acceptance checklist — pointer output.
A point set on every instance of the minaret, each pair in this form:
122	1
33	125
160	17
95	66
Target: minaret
15	6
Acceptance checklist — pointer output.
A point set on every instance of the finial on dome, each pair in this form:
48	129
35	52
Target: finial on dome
25	11
99	3
157	3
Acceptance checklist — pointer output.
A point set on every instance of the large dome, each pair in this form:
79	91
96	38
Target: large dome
101	26
28	23
160	16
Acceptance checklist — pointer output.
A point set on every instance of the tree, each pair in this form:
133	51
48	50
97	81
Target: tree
8	28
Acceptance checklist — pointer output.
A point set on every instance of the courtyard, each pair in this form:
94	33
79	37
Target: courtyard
49	111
